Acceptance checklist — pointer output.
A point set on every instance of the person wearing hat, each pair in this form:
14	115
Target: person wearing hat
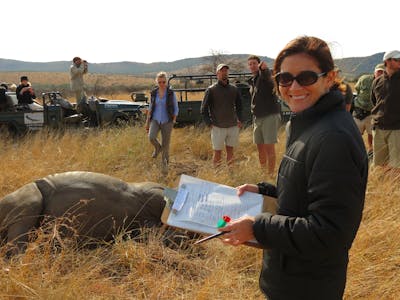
221	110
379	70
79	68
26	94
363	105
385	96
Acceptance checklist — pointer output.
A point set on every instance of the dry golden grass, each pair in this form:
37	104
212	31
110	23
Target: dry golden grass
131	270
111	86
59	78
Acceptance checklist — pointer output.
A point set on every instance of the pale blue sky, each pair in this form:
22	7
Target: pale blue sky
168	30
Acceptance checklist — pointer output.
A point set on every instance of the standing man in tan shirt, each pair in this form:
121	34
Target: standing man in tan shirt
78	68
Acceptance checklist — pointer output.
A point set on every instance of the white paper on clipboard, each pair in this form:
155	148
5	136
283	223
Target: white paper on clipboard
206	202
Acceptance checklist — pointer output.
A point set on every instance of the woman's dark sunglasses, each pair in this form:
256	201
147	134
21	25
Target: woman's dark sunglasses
304	78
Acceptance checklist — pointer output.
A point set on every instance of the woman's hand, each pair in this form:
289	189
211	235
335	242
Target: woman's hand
239	231
247	188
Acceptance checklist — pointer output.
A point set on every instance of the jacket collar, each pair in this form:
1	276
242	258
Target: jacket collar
220	82
299	122
333	100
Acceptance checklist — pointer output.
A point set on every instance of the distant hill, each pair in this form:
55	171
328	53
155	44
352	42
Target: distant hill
351	67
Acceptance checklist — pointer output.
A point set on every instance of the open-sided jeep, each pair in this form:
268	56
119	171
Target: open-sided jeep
59	113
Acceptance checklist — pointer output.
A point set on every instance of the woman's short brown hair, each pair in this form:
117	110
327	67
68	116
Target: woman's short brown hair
312	46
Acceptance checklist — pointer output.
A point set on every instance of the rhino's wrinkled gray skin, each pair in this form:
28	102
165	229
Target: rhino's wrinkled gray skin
100	205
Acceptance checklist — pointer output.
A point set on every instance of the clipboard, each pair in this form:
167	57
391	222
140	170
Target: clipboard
171	217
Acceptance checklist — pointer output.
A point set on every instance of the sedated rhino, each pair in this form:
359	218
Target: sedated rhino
101	205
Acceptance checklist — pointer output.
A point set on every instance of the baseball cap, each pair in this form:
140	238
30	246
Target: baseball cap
380	67
391	54
220	66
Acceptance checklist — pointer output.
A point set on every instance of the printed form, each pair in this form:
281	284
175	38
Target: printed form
199	205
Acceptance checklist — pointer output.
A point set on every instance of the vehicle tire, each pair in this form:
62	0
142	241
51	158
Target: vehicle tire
13	131
121	121
4	131
140	118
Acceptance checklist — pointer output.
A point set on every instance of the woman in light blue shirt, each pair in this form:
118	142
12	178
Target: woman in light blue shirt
161	116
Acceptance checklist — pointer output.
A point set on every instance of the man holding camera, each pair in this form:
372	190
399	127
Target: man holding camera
78	68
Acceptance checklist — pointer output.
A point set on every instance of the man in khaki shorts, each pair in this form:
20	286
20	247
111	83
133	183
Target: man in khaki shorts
266	112
221	109
386	113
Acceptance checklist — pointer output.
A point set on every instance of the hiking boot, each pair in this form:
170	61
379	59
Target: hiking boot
164	167
156	152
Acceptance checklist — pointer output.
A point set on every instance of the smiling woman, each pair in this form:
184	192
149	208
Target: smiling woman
321	183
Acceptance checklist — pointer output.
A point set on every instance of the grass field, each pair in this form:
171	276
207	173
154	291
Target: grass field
131	270
111	86
105	85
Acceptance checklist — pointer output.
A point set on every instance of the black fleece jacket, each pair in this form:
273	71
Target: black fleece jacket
264	101
320	189
222	105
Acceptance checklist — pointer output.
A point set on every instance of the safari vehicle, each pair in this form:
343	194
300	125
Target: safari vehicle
190	90
60	113
117	112
16	119
285	112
